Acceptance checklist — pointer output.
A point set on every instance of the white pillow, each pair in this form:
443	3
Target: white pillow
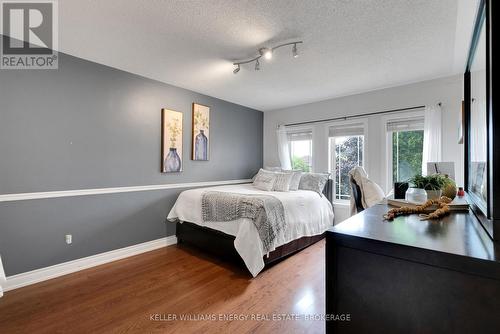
314	181
264	180
282	182
269	169
295	181
372	193
273	169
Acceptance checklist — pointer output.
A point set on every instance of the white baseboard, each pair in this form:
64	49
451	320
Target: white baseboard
43	274
3	279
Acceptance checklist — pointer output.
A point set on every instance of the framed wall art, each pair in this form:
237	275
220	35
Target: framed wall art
201	132
171	141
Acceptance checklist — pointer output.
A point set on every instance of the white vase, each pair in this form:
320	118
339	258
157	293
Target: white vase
434	194
416	195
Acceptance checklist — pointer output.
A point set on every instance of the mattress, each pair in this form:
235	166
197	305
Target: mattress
306	214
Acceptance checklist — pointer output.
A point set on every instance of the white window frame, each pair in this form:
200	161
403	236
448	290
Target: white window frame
387	161
295	129
331	157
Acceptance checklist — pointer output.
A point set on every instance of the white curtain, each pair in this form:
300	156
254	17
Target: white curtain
432	136
2	277
283	149
478	130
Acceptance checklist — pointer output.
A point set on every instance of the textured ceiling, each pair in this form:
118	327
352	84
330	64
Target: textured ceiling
349	46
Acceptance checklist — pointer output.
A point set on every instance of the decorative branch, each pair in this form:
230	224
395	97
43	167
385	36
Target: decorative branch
442	210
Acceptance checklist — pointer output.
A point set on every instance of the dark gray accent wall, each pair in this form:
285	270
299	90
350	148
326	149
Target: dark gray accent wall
87	125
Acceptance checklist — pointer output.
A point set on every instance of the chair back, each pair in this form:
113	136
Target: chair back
356	194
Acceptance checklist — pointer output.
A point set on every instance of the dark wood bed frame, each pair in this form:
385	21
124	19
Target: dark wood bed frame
222	244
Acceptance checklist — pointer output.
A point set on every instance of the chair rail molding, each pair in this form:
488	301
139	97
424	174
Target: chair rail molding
115	190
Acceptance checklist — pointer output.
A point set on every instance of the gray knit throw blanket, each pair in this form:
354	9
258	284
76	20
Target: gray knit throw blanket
266	212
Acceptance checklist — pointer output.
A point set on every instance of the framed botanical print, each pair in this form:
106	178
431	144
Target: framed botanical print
171	141
201	132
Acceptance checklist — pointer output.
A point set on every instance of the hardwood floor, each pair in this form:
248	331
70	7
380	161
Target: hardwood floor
140	293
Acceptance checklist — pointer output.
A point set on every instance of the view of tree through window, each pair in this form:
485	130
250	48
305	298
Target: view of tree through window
407	147
301	154
348	154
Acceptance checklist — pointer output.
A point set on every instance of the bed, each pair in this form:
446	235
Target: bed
307	214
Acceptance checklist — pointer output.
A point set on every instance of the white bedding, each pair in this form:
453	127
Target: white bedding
306	214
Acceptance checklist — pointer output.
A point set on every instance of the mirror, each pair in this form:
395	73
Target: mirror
478	181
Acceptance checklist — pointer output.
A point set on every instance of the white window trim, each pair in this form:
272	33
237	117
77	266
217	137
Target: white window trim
387	157
301	128
331	158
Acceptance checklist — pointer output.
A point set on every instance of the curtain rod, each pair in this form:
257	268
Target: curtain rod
357	116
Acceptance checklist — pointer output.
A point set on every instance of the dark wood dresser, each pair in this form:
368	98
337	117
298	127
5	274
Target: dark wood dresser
412	276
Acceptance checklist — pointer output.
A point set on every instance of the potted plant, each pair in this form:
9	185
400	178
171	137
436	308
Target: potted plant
431	184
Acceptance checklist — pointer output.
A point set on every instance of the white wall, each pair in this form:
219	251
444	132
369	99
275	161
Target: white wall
448	91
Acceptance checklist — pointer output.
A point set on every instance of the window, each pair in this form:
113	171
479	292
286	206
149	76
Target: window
300	144
406	139
346	152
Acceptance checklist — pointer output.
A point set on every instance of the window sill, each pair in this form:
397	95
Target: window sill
341	203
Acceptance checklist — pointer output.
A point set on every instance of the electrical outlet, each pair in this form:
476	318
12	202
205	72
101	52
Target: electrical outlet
69	239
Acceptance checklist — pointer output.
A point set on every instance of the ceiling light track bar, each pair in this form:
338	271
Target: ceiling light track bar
266	53
285	44
247	61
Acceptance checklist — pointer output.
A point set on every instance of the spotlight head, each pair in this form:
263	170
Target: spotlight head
294	51
257	65
266	52
237	69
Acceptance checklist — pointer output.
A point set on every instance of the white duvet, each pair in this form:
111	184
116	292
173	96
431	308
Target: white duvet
306	214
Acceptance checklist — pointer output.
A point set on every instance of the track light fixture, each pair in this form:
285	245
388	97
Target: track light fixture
267	53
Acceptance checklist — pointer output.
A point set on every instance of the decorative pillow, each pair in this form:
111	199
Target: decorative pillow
264	180
269	169
273	169
295	181
282	182
372	192
313	181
